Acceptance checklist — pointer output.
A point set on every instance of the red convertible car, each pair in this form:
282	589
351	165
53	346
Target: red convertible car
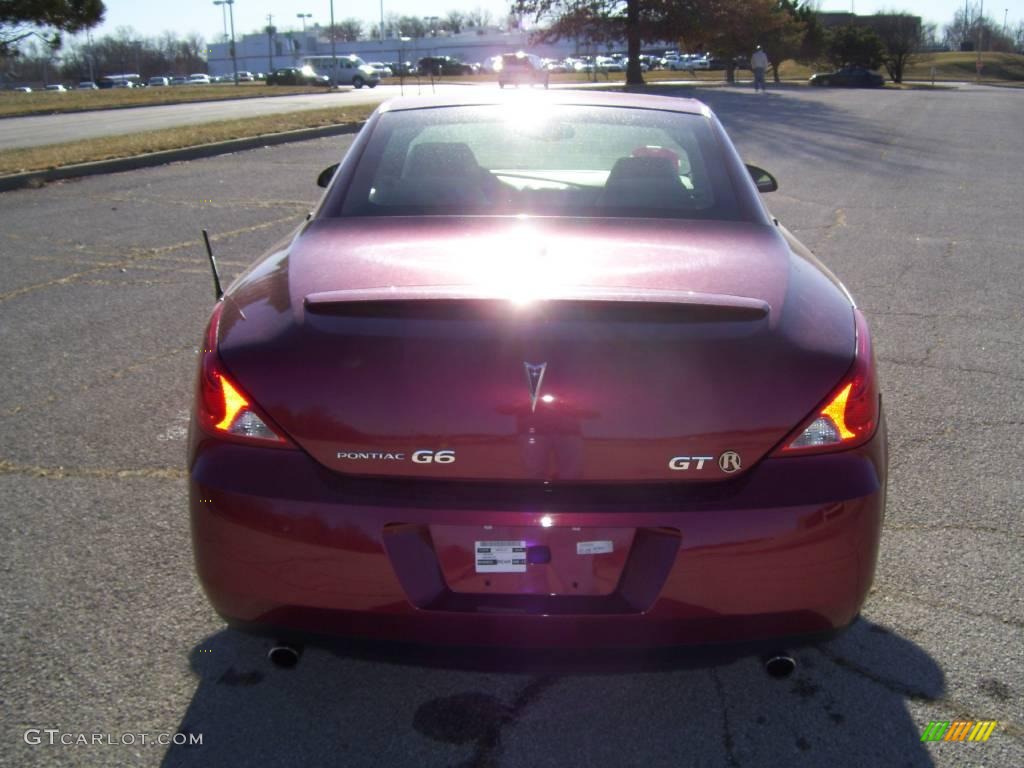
540	370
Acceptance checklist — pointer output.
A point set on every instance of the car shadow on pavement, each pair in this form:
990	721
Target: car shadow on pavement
803	125
373	705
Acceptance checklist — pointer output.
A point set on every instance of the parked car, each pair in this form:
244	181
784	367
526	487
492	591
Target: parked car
535	375
442	66
56	88
158	82
199	79
381	68
22	89
849	77
608	64
245	77
120	81
179	80
402	68
88	85
521	69
296	76
581	64
679	63
349	70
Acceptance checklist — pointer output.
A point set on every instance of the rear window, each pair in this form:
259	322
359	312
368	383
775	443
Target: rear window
539	159
514	62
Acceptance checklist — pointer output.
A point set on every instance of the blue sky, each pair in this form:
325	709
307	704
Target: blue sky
184	16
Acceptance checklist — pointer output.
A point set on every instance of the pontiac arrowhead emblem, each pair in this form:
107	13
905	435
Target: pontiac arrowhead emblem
534	377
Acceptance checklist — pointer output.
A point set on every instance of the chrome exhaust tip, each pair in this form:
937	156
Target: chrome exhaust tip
779	665
284	656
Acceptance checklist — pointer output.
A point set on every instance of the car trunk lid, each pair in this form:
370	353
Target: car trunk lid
684	354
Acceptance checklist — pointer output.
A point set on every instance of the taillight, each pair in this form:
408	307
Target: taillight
223	408
849	415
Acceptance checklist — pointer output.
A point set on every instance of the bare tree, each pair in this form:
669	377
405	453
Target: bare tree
193	48
348	31
930	35
412	26
392	24
969	29
975	31
479	17
124	52
901	36
454	21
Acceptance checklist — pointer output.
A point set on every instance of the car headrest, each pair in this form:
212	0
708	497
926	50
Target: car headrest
647	183
628	171
438	158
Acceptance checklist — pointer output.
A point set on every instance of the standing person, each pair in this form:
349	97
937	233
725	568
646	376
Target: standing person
759	63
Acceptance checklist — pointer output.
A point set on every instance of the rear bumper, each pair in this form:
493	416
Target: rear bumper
524	78
787	550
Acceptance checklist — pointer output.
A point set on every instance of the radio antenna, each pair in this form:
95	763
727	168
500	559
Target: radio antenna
213	265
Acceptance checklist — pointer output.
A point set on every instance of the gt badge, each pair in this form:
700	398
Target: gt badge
729	462
684	463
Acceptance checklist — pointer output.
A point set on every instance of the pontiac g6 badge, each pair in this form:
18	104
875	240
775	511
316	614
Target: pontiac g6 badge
534	377
418	457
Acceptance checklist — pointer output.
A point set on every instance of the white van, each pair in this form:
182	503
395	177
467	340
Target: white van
344	70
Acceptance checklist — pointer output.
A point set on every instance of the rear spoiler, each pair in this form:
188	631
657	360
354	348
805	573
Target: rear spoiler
611	303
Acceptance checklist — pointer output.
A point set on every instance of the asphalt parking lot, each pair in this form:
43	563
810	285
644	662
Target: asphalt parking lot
912	197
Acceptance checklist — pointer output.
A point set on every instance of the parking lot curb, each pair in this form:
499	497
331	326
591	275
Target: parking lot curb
120	164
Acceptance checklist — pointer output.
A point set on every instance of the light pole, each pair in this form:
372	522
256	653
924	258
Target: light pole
92	57
304	16
977	64
224	16
235	61
231	11
402	40
270	40
334	52
382	22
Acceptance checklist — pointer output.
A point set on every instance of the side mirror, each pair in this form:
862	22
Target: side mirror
326	175
763	180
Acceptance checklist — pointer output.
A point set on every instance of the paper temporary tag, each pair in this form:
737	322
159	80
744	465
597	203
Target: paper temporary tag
500	556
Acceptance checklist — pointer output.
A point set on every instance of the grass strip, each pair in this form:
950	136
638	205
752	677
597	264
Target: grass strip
130	145
49	102
1002	68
